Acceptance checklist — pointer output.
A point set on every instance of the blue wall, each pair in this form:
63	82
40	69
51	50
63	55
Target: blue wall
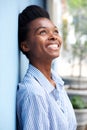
9	59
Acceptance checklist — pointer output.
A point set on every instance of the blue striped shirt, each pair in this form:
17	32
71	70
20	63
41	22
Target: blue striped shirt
40	106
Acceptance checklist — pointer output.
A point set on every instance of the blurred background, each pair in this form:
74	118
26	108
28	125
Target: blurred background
71	18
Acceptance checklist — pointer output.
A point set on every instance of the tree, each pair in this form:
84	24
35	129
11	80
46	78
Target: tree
79	49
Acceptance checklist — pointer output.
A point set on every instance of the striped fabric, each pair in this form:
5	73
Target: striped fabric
40	106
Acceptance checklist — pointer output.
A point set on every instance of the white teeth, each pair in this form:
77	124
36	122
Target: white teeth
53	46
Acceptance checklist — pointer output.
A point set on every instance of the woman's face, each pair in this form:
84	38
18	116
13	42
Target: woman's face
43	40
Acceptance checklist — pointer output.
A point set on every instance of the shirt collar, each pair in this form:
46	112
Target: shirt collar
43	81
58	80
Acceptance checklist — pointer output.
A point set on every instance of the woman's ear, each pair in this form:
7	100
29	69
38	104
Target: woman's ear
24	46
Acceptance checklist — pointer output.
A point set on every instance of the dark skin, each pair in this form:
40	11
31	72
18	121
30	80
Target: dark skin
43	44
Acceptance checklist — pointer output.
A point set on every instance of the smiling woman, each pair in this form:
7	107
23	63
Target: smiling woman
42	102
43	40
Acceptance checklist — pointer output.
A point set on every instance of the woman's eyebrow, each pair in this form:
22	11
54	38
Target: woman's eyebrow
43	27
56	27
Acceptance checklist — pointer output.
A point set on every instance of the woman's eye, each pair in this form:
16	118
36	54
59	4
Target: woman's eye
43	32
56	32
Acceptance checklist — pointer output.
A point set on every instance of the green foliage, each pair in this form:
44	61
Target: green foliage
74	4
78	103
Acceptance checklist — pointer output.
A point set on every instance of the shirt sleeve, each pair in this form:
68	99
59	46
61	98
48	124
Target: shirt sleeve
32	114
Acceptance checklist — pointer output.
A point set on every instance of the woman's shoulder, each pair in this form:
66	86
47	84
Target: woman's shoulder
30	87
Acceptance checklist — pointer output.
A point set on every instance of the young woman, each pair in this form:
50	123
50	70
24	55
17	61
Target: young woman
42	102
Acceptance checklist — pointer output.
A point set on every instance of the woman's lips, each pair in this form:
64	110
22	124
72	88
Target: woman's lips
53	46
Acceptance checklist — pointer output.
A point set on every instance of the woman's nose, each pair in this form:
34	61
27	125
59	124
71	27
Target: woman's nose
52	36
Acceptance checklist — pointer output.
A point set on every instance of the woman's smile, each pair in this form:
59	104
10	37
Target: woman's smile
53	47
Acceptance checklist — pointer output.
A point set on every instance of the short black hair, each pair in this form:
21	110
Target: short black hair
29	14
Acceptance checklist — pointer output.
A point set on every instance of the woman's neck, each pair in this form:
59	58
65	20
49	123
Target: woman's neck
46	70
